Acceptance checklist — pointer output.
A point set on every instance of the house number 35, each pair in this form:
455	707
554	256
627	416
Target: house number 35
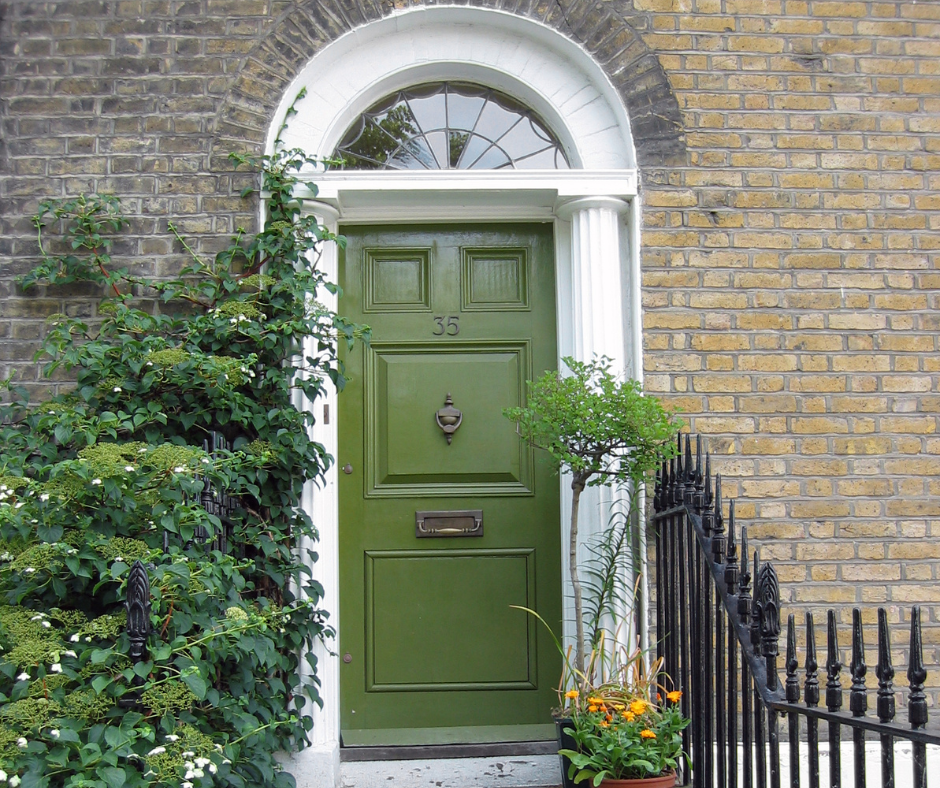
451	327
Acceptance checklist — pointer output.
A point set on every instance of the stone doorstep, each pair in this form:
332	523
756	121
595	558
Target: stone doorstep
515	771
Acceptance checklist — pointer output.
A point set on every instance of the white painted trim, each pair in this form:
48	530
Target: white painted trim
521	57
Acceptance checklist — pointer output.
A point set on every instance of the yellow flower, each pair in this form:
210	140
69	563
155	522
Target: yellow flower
592	708
595	701
605	724
619	706
571	694
638	706
629	716
674	695
647	734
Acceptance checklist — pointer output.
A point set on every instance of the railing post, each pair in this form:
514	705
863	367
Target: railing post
793	696
917	700
767	605
885	702
731	583
858	702
811	699
833	699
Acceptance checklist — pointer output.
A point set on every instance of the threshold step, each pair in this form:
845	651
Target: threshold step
511	771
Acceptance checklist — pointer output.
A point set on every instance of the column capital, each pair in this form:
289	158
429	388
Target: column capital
565	209
325	213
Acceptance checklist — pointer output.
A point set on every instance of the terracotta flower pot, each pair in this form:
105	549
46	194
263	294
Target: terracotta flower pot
663	781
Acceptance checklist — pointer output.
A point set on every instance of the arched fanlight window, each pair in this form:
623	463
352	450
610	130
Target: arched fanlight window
449	126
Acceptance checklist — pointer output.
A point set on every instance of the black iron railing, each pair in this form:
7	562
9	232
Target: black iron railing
215	502
719	641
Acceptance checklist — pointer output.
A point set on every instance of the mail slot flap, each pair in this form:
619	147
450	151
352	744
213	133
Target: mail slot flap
458	522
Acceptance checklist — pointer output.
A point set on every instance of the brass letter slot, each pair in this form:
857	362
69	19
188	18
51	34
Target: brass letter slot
461	522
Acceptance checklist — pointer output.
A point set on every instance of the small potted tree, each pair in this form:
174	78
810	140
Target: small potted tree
603	431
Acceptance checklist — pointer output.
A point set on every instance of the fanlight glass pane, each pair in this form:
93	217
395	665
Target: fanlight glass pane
449	126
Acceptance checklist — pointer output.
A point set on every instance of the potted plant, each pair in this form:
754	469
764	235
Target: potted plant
626	733
603	431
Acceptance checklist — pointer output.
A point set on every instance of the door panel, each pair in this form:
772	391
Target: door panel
440	539
404	388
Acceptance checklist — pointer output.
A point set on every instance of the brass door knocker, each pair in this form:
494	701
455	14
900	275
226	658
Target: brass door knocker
448	419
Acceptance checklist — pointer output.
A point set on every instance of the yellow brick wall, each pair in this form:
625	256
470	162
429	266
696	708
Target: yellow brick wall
790	273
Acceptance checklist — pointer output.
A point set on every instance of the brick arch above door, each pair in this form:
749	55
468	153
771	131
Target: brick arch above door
611	39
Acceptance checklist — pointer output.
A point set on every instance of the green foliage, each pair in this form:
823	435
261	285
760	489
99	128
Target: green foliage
594	425
601	430
96	477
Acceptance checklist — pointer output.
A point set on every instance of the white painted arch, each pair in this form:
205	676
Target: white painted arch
594	208
523	58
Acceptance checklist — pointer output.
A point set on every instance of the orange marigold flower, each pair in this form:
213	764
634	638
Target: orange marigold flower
674	695
647	734
629	716
638	706
605	724
592	708
571	694
595	701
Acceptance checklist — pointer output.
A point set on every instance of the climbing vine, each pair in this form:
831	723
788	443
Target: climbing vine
111	471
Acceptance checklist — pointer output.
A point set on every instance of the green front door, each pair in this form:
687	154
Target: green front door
446	517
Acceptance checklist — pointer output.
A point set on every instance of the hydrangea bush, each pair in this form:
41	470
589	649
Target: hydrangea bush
111	471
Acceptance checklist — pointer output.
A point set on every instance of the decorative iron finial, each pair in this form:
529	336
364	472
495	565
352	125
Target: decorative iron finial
689	492
793	683
718	534
811	686
916	675
884	671
858	702
138	611
731	566
698	479
755	609
833	664
658	488
744	591
675	480
767	608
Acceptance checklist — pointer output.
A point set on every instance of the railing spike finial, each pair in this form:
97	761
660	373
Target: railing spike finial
731	565
698	493
917	674
884	670
833	664
858	702
755	610
767	609
718	532
706	497
658	488
793	683
811	686
675	481
744	590
719	504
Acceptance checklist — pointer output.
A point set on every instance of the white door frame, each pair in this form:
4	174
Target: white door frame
595	210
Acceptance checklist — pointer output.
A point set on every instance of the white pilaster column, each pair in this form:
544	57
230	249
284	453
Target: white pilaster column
318	765
601	284
599	274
